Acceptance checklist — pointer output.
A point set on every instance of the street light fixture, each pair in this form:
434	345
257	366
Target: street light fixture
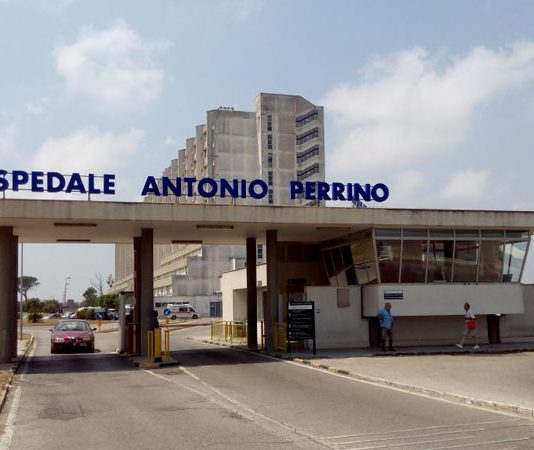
65	292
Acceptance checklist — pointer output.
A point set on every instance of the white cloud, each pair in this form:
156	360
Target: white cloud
169	141
113	68
405	107
38	107
467	185
9	136
87	150
407	186
243	9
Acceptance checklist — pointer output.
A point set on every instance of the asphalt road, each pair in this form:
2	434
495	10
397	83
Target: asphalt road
229	399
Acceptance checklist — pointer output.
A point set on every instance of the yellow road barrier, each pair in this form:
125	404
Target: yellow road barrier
150	347
157	344
166	343
229	330
280	336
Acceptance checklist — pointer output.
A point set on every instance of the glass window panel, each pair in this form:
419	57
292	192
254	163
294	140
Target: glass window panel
442	234
363	256
490	265
327	258
415	233
465	261
517	234
388	232
440	253
413	262
338	261
462	234
492	234
388	260
514	256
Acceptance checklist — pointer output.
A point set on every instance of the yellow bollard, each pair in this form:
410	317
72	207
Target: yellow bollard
166	321
166	352
99	323
157	344
150	347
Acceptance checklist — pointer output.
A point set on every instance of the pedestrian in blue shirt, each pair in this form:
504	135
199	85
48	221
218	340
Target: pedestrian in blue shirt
386	325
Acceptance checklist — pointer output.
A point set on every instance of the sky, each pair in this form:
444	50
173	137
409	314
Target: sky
434	99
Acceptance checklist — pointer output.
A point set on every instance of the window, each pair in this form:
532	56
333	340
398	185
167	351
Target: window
514	257
270	160
270	178
270	196
413	261
259	251
269	123
440	254
389	260
269	141
490	267
465	261
363	257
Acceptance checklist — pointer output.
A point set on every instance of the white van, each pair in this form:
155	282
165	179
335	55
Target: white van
180	312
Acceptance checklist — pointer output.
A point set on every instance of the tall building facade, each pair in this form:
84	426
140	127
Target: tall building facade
282	141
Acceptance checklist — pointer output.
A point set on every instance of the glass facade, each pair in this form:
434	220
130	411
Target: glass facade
395	255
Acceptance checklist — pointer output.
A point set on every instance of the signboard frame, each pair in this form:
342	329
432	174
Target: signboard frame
301	323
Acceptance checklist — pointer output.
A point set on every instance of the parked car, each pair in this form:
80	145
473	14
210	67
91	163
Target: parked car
113	314
72	334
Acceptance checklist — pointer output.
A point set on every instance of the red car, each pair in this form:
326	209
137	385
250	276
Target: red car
72	335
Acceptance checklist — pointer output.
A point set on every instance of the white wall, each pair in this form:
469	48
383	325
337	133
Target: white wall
338	327
445	299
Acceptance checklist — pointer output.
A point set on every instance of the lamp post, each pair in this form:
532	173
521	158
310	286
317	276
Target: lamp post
65	292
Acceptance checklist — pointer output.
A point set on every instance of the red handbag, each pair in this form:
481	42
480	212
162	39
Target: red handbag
472	324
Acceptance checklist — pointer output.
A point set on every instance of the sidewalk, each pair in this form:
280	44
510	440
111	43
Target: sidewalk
8	370
496	376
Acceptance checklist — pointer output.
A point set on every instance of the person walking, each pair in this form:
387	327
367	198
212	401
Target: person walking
470	327
386	326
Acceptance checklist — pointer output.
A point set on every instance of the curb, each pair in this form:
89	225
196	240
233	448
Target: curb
14	370
456	398
106	331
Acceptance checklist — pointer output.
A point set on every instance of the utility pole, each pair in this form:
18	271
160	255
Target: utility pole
65	292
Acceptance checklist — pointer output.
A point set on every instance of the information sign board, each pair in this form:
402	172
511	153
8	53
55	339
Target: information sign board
300	322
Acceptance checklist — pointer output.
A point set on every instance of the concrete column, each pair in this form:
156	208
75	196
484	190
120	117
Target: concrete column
146	301
252	307
271	300
8	330
137	291
14	291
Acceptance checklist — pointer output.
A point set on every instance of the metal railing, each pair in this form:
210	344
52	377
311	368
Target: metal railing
228	330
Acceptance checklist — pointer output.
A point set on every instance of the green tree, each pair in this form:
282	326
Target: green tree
51	306
25	283
34	307
90	296
108	301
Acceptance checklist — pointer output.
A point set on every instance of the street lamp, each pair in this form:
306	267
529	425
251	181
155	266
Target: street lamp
65	292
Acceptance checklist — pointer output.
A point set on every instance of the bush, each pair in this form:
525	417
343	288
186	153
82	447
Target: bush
86	314
35	316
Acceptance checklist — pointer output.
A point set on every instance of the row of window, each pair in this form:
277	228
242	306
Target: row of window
312	134
401	256
307	154
303	174
310	117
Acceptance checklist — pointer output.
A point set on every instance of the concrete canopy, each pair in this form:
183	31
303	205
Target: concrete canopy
46	221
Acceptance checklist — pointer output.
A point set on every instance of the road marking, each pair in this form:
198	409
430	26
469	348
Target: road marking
7	438
410	436
483	443
242	409
436	427
386	386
